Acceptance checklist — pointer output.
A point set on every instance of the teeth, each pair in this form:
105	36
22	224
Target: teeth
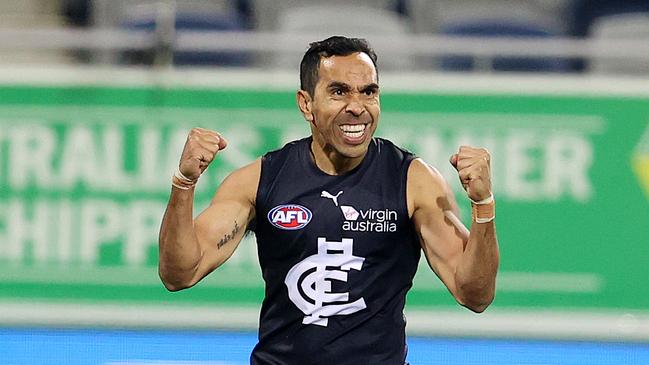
353	130
352	127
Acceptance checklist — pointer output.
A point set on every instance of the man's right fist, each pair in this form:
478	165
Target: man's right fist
199	151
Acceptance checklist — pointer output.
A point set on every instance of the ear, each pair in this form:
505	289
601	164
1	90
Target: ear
305	105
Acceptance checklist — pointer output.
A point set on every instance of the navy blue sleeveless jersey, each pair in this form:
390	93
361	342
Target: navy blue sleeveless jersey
338	255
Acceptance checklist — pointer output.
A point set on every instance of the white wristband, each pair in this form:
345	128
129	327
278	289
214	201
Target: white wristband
485	220
181	187
487	200
179	175
181	181
483	211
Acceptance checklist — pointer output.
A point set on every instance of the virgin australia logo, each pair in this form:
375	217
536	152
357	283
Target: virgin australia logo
350	213
368	220
309	282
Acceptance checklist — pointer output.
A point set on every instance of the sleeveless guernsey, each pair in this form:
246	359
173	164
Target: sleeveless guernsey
337	254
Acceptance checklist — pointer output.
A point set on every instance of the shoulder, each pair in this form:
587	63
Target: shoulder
385	145
422	174
247	171
397	157
288	148
243	181
426	187
277	160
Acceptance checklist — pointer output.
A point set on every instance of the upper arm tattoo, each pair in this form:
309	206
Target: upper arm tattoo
229	236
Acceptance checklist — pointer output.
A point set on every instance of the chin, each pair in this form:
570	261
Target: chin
354	151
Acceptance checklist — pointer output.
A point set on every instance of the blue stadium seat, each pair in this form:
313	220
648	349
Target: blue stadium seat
198	22
501	29
584	13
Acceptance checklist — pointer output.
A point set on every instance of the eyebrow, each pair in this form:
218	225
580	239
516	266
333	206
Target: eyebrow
338	85
370	87
344	86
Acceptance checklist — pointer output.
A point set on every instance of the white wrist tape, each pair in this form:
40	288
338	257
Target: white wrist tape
181	181
487	200
181	187
485	220
484	211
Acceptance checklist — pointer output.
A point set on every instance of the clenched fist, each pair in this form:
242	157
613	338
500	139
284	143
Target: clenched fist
474	169
199	151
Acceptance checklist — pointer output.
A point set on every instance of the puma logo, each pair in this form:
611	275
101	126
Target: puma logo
326	194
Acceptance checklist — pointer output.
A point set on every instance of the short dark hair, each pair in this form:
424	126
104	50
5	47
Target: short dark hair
332	46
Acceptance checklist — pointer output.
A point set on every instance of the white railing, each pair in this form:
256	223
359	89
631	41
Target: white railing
117	39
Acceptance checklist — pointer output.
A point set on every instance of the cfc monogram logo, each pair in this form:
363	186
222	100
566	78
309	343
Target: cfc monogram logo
309	282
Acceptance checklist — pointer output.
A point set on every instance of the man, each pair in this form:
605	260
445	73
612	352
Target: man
340	219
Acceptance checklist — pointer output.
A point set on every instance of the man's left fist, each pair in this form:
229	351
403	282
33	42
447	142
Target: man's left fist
474	168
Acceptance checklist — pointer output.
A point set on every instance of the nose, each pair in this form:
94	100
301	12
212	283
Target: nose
355	107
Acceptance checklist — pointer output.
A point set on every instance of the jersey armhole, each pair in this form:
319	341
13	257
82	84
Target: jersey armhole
262	187
409	158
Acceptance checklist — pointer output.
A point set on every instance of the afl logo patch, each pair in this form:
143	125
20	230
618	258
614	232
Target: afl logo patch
289	216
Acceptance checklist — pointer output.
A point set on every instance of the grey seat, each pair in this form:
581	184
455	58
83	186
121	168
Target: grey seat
195	15
450	16
432	15
268	12
630	26
382	28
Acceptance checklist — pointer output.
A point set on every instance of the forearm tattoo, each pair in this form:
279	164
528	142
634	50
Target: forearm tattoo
229	236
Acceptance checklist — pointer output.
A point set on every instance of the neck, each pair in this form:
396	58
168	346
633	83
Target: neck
330	161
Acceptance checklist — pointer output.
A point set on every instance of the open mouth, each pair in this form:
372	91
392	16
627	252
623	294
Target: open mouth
353	131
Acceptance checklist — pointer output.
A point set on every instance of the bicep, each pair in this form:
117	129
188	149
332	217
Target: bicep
220	228
442	235
222	225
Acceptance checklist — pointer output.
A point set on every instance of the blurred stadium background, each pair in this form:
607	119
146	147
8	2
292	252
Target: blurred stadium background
96	98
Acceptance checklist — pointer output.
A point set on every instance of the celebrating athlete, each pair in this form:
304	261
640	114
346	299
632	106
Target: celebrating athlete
340	217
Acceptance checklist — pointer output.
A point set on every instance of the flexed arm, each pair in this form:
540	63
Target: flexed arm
191	248
476	273
466	261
